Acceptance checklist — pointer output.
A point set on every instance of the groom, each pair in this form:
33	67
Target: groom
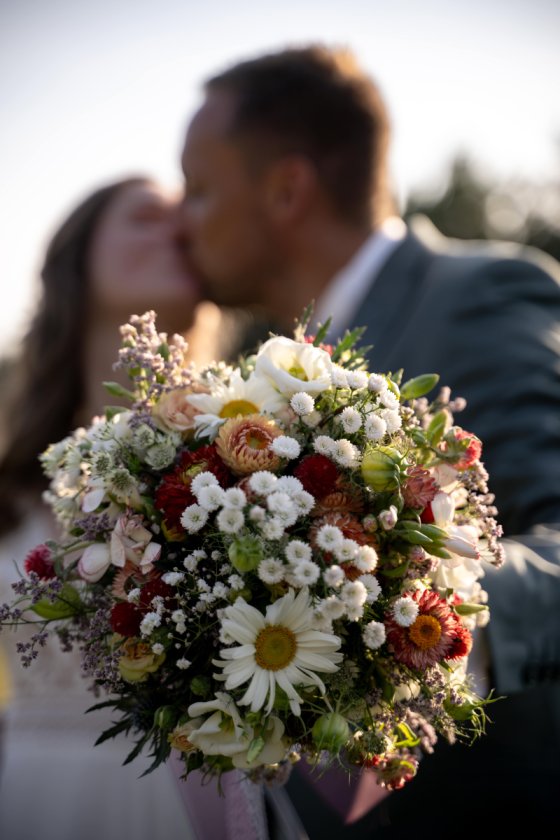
288	200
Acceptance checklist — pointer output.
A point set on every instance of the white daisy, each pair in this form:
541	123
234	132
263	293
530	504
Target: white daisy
392	419
373	588
273	529
334	576
235	498
271	570
211	497
357	379
312	420
303	502
203	479
232	399
276	649
333	607
285	447
350	419
405	611
329	537
262	482
297	550
324	445
338	375
346	551
302	403
389	400
377	383
289	484
373	634
366	558
194	518
230	521
375	427
279	503
354	593
345	453
305	573
257	513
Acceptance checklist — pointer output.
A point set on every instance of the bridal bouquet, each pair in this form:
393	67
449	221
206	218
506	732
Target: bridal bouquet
270	561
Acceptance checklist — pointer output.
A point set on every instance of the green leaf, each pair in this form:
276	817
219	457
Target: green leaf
111	411
398	571
322	332
420	385
438	551
113	731
415	537
68	603
437	427
255	749
350	338
470	609
117	390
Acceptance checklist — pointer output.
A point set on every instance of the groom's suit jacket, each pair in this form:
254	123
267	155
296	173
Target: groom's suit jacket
487	319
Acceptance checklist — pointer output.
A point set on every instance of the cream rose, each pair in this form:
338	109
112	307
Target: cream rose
293	367
138	661
174	412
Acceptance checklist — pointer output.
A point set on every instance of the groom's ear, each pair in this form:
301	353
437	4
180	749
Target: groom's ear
291	185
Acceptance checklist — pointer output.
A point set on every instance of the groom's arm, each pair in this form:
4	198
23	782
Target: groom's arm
510	375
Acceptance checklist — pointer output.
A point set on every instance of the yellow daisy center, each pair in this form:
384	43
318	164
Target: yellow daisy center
275	647
425	632
235	408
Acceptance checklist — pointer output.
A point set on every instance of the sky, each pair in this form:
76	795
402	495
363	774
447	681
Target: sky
99	89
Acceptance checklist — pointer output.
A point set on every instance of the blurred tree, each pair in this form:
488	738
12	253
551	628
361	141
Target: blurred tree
475	207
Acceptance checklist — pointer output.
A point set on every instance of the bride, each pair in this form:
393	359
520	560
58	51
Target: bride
116	254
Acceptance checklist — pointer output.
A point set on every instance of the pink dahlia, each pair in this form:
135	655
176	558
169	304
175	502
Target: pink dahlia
473	451
431	638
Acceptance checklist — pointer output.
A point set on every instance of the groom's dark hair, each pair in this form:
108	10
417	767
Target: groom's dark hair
317	102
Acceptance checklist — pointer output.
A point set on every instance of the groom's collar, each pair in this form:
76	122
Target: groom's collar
350	286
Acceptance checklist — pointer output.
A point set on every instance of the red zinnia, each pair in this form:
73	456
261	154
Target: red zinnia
317	474
39	560
126	618
431	638
462	642
174	493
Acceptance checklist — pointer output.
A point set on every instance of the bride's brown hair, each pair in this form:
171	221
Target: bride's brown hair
48	382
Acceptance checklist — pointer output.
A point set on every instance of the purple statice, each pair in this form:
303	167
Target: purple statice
98	660
93	525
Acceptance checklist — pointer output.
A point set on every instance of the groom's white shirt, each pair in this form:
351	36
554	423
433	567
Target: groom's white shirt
349	287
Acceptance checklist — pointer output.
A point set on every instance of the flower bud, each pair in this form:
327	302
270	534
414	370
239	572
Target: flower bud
331	732
165	717
388	518
245	553
381	468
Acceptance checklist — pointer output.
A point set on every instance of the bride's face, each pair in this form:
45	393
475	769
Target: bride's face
136	259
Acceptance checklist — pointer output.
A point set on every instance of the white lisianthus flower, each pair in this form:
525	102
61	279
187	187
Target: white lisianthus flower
271	570
286	447
324	445
374	634
373	588
224	732
302	403
375	427
262	482
293	367
194	518
230	520
405	611
276	649
234	398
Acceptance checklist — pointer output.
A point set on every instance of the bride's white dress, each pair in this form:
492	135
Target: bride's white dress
54	784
